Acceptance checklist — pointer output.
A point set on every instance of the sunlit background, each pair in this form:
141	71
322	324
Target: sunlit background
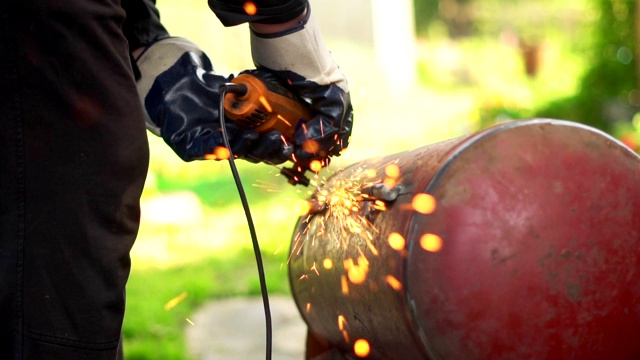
420	72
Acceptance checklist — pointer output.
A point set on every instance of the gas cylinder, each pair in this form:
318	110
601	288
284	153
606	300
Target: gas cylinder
521	241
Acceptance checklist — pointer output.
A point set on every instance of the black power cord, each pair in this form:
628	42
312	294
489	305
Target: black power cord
240	89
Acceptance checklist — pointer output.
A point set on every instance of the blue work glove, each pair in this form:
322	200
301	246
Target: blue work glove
181	95
328	132
300	59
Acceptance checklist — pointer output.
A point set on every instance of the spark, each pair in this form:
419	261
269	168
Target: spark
396	241
315	269
221	152
284	120
380	205
394	283
392	171
308	307
342	321
175	301
369	235
372	247
431	242
315	165
265	103
361	348
348	263
303	277
363	261
357	273
278	249
343	200
190	322
267	187
424	203
345	336
250	8
284	140
344	285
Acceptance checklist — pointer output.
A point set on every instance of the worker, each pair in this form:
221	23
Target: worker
81	80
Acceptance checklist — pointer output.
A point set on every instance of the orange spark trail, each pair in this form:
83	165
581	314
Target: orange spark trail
175	301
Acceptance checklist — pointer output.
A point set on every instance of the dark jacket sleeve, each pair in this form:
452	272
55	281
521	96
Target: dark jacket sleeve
142	25
232	12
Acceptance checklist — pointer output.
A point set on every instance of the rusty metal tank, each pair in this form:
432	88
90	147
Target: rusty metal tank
532	251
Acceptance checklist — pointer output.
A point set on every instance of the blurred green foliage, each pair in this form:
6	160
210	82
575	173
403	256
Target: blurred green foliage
602	33
609	97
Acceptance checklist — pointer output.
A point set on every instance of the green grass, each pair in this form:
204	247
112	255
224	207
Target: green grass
151	330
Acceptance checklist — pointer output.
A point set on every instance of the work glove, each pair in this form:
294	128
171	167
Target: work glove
300	59
181	96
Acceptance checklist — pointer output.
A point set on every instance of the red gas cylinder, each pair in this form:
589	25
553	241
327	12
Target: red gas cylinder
532	250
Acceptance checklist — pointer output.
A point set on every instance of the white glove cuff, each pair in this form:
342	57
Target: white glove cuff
155	60
302	51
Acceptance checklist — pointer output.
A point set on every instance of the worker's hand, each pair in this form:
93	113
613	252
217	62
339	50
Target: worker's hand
181	95
298	56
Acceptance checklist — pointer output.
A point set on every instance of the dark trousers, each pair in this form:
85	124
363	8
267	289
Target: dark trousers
73	159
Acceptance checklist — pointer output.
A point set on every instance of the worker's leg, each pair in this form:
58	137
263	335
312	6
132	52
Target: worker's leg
73	160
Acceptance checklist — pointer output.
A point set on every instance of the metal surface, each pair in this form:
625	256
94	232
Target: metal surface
540	257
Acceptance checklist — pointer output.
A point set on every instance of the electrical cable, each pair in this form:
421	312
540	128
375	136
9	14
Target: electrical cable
224	88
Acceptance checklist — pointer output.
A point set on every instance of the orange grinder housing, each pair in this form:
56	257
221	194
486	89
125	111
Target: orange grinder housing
266	106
